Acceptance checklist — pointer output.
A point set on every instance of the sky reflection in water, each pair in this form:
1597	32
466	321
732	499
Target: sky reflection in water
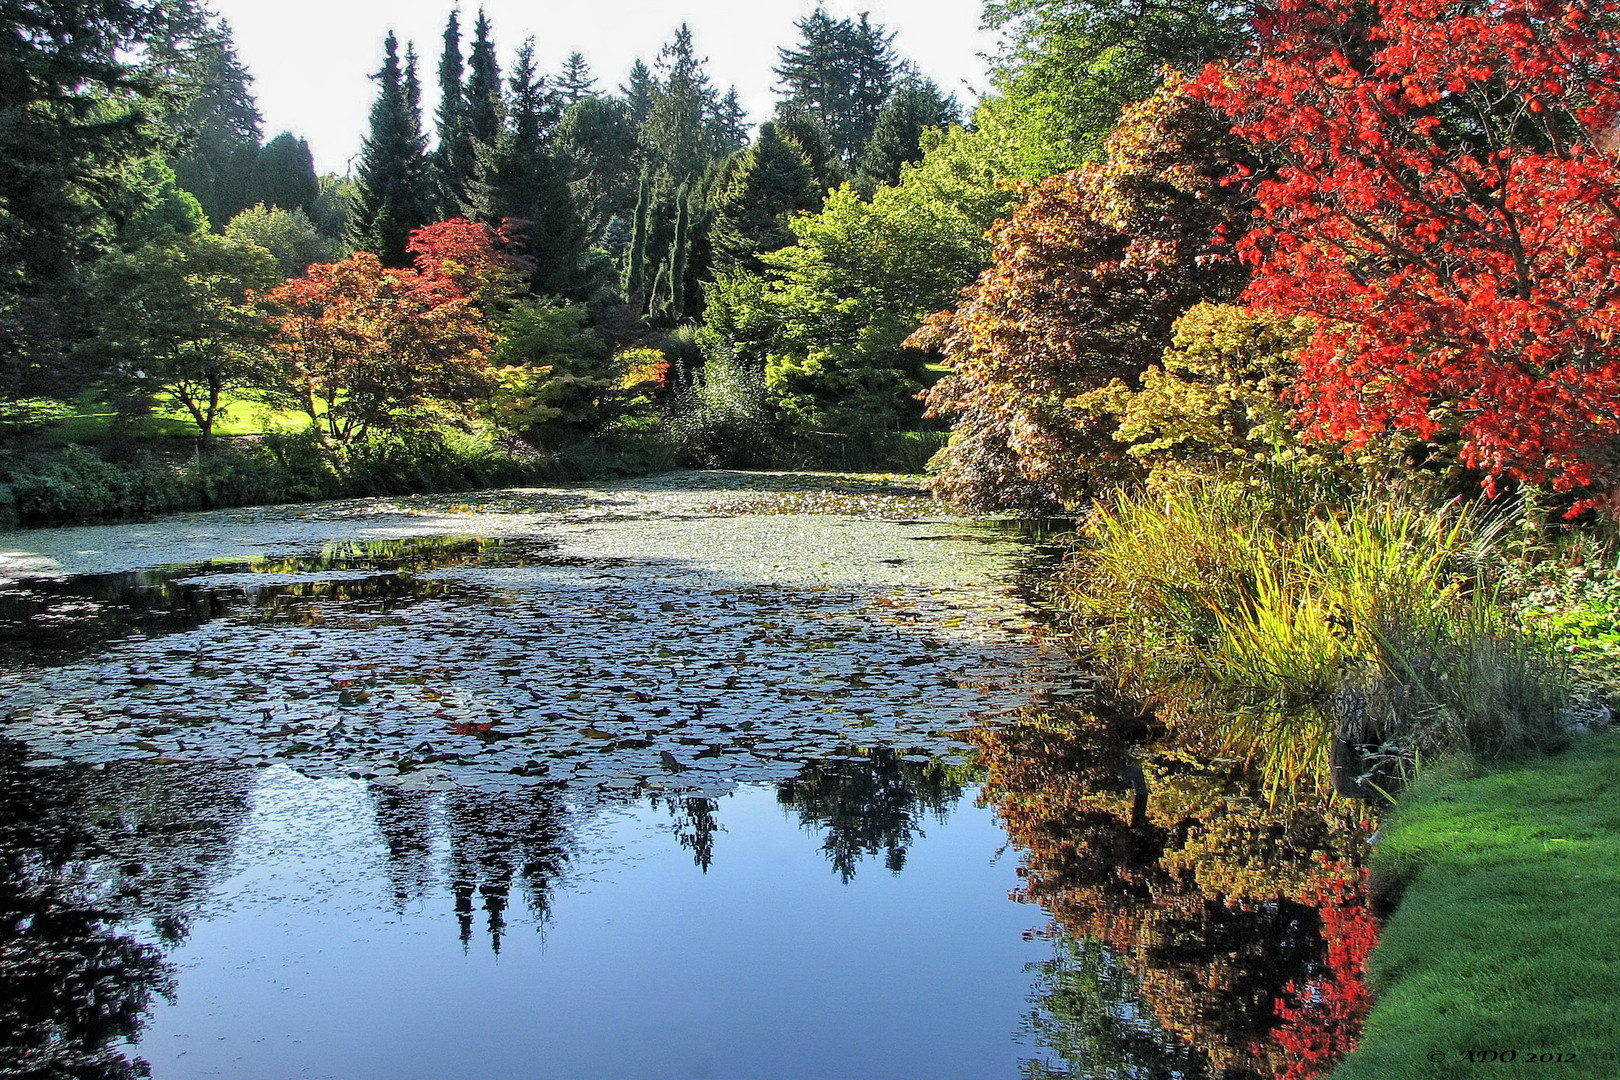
519	811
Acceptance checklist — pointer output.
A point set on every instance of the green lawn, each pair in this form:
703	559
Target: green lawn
85	421
1507	936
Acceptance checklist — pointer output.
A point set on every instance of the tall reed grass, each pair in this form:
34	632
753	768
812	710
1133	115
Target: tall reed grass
1269	624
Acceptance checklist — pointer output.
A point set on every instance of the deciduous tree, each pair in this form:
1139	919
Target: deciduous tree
361	348
1446	208
1087	278
179	319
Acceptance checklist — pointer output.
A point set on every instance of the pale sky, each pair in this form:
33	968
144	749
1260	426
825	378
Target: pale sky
310	58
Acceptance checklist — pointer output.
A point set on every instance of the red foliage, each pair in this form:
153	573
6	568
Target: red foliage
360	347
1321	1028
1448	206
473	259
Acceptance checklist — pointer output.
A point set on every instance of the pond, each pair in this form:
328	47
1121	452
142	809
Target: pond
705	775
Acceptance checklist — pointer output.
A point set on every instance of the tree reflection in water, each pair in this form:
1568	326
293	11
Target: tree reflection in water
86	855
497	840
1209	935
870	802
694	822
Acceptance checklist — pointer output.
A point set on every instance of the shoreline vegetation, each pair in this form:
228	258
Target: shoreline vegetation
1308	316
1503	948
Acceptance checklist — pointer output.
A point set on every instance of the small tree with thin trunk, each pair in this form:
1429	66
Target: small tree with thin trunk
179	319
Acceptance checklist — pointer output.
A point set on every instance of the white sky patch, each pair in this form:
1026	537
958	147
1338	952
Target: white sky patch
311	59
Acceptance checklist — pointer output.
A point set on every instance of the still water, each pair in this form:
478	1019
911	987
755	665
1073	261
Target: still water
711	775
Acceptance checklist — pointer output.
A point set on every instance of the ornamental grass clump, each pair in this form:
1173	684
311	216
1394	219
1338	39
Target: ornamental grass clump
1268	628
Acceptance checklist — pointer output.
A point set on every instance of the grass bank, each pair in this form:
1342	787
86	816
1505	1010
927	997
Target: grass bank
1506	937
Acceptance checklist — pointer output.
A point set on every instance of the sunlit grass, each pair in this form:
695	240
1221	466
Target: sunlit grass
85	420
1507	936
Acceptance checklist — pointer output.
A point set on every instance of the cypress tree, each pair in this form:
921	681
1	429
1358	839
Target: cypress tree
679	254
390	202
453	161
661	298
635	274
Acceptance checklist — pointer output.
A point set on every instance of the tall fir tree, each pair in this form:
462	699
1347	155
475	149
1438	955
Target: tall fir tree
453	161
676	132
728	125
219	126
771	183
391	200
637	92
519	178
483	86
814	79
916	106
874	69
576	83
841	72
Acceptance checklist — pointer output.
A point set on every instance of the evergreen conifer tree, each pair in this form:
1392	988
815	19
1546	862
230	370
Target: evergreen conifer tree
576	83
677	132
597	140
772	182
728	126
874	67
916	106
219	125
483	87
391	200
453	162
638	92
809	135
521	179
284	175
814	77
680	253
635	271
841	73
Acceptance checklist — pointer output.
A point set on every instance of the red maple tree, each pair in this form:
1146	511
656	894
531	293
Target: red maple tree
1447	206
474	259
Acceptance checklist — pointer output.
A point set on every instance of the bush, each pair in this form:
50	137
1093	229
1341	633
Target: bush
722	419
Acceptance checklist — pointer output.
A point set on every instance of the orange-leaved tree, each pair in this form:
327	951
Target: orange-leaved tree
361	348
1089	273
1446	210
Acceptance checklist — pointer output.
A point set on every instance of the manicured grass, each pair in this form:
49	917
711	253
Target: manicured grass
1507	935
86	419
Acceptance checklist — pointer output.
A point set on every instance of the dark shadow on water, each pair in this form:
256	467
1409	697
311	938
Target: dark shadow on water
48	620
100	869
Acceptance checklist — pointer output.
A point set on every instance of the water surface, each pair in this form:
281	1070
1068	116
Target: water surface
712	775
